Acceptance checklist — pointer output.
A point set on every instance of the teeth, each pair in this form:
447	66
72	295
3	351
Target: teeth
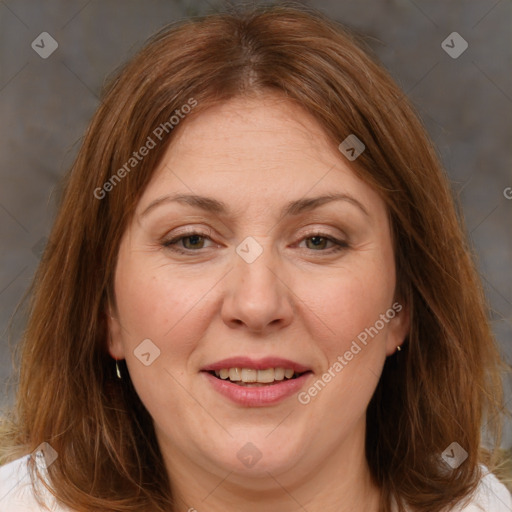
266	376
249	375
235	374
279	373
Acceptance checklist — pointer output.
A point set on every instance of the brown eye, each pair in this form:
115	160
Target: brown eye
195	240
318	242
186	243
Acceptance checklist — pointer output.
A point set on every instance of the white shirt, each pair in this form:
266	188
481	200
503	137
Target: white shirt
16	494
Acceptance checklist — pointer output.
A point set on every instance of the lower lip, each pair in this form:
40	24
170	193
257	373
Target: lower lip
260	396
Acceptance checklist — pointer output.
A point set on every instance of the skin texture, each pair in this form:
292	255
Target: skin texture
298	300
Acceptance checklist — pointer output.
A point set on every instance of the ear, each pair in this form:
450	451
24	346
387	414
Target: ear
115	331
398	327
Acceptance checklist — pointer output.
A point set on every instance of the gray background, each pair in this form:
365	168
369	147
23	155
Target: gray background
45	105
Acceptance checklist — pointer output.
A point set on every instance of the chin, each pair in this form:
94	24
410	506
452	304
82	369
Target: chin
257	458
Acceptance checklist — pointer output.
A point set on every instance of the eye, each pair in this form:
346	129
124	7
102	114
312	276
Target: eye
192	241
319	241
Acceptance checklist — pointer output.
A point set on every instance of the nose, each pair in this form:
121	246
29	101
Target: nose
257	297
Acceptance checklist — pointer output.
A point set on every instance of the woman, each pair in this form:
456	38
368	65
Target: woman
257	294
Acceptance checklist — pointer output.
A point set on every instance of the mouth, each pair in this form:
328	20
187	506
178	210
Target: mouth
252	378
250	382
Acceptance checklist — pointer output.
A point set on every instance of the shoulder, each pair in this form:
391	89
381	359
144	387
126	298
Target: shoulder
490	495
16	491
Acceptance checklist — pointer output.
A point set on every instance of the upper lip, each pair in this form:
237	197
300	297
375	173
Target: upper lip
256	364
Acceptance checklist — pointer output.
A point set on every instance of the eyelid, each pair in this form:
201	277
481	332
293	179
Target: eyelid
340	243
190	231
187	231
184	233
322	232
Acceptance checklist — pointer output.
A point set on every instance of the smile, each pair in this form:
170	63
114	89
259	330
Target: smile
253	378
257	394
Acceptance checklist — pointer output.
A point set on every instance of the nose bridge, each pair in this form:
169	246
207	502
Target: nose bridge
257	297
256	270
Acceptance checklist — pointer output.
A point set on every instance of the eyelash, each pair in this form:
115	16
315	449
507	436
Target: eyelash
171	243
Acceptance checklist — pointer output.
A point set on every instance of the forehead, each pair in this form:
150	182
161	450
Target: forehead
242	128
259	147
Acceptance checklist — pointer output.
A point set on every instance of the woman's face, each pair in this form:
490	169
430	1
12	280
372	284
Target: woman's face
276	258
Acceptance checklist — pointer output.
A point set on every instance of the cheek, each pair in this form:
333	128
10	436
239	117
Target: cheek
167	309
350	302
153	301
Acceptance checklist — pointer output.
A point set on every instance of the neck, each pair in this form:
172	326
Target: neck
341	482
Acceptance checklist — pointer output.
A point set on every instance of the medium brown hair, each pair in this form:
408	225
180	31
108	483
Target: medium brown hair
440	388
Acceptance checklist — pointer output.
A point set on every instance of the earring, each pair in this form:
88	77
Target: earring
117	371
398	348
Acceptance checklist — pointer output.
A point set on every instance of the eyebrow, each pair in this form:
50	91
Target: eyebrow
212	205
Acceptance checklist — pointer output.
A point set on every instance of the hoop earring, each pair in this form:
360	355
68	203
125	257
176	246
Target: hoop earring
118	373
